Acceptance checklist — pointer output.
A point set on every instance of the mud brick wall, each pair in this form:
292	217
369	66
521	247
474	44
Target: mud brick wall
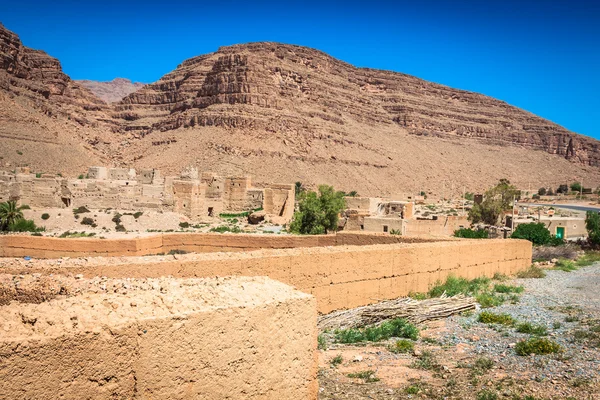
224	338
340	277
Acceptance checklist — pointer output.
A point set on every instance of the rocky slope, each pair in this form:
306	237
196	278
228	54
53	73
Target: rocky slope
289	113
111	91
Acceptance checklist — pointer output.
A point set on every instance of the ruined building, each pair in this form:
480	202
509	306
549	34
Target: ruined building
192	194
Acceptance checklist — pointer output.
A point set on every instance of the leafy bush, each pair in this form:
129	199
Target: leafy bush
492	318
455	285
9	214
426	361
398	327
120	228
527	327
576	187
138	214
117	218
482	365
402	346
501	288
184	224
535	232
321	342
318	213
45	216
25	225
565	265
592	224
80	210
471	233
87	221
337	360
537	346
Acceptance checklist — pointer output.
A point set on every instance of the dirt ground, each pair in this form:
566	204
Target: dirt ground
472	360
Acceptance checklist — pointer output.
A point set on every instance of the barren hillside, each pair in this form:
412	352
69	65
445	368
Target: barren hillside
112	91
289	113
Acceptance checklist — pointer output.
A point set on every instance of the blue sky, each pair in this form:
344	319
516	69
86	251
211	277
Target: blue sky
543	56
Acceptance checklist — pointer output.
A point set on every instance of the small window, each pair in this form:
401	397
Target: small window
362	227
385	228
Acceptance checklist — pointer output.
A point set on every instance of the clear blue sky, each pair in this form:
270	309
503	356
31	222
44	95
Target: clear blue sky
543	56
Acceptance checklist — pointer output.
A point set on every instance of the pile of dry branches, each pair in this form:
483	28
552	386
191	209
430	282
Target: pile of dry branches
415	311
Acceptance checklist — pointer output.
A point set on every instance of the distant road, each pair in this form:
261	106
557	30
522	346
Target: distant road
567	206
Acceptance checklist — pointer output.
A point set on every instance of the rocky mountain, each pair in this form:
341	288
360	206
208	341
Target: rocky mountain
289	113
111	91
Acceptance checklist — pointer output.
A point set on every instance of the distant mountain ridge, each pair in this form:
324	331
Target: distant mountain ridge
282	113
112	91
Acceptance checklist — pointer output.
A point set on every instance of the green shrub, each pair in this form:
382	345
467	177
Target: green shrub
531	272
535	232
45	216
25	225
492	318
138	214
455	285
120	228
592	224
526	327
537	346
117	218
482	365
87	221
184	224
471	233
426	361
487	394
337	360
176	251
501	288
402	346
80	210
398	327
487	300
321	342
587	259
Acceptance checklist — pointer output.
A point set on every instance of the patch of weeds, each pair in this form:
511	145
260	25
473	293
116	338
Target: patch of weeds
366	376
225	228
415	388
487	394
579	382
556	325
402	346
502	288
482	365
117	218
80	210
426	361
69	234
514	298
571	318
417	296
537	345
138	214
492	318
398	327
184	225
588	259
467	314
532	272
337	360
36	234
120	228
565	265
488	300
176	251
500	277
430	340
321	342
526	327
455	285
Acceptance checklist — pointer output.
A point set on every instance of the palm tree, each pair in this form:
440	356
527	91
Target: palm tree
9	214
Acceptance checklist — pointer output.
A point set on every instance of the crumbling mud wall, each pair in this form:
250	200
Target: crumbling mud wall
339	277
220	338
48	247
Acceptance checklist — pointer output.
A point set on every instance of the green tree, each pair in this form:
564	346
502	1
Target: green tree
318	212
576	187
562	189
495	201
592	224
299	188
542	191
9	214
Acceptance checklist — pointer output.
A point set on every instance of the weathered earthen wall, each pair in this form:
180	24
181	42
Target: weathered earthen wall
233	338
339	277
48	247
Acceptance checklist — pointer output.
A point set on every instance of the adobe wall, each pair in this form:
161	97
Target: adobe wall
49	247
225	338
442	226
340	277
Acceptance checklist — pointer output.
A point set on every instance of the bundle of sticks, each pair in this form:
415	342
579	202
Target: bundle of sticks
414	311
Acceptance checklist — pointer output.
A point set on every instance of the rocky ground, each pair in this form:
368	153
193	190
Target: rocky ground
461	358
